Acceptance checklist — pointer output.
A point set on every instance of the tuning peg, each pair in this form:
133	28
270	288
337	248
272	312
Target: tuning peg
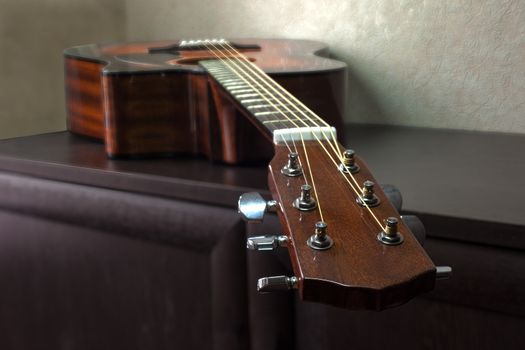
276	283
443	272
267	242
293	167
390	235
368	197
252	206
348	165
416	226
393	195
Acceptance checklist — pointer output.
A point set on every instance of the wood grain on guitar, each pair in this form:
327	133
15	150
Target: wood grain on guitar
357	272
244	101
151	98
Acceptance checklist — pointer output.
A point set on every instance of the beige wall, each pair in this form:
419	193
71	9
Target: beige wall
439	63
454	64
33	34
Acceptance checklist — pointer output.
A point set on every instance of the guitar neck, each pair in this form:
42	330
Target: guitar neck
268	104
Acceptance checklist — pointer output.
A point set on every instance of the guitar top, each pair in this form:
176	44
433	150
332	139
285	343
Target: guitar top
277	56
249	100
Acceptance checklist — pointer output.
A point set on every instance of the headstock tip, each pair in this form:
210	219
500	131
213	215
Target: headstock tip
355	298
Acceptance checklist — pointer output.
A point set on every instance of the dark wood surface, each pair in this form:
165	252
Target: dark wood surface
460	174
474	178
464	185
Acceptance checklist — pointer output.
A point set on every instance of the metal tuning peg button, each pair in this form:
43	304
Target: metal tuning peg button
252	206
416	227
443	272
276	284
268	242
394	196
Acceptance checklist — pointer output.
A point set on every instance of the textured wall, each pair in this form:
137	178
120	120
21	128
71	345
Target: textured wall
454	64
33	34
443	63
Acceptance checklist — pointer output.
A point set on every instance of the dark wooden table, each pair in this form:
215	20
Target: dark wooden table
466	186
471	177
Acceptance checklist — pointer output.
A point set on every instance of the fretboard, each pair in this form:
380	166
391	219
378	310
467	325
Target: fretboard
261	97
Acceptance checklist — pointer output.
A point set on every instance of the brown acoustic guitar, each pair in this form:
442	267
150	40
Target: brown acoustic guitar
248	100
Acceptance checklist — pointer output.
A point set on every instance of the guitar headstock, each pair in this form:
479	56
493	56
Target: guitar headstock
343	252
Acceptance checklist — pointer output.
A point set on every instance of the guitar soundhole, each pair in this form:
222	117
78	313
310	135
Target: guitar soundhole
195	59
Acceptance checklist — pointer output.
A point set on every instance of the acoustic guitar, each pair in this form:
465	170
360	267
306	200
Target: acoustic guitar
250	100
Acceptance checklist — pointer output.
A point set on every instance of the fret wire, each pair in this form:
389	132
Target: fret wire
235	85
239	89
280	120
245	92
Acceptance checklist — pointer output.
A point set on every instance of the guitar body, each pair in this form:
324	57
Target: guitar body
150	98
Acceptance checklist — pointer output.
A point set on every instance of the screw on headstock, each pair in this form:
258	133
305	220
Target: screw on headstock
320	239
305	202
348	165
390	235
292	168
367	195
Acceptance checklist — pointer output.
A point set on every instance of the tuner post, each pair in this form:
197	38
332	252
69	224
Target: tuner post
305	202
348	165
368	196
320	239
292	168
390	235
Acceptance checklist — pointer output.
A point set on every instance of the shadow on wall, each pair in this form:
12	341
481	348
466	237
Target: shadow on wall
33	35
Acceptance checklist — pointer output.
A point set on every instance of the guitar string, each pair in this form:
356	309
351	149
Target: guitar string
295	99
355	189
268	79
279	111
229	60
322	145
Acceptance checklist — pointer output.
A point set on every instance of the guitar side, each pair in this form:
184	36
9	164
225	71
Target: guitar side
158	108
